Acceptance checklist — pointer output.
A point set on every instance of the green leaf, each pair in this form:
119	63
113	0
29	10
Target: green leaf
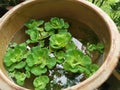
34	23
37	70
30	60
100	47
60	55
51	62
41	29
93	68
66	25
27	68
43	35
20	65
58	41
7	59
91	47
42	43
48	26
95	47
62	31
39	88
20	77
68	67
70	46
56	23
11	68
86	60
40	52
51	32
12	45
41	82
34	35
11	74
27	74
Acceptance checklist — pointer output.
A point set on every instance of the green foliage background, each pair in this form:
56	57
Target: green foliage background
111	7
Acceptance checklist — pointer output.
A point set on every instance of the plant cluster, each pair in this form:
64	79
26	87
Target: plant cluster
49	43
112	8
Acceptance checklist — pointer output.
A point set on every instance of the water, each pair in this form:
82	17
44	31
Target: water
60	78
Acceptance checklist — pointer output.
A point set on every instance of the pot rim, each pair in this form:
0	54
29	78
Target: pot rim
106	68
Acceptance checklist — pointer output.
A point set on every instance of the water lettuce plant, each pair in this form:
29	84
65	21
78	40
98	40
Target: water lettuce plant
49	44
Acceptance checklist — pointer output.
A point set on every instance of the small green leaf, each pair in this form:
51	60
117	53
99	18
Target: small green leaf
20	65
56	23
37	70
11	68
27	74
91	47
48	26
100	47
51	62
95	47
86	60
68	67
40	29
62	31
7	58
71	45
51	32
12	45
66	25
20	77
11	74
42	43
34	35
30	60
60	56
27	68
43	35
34	23
93	68
41	82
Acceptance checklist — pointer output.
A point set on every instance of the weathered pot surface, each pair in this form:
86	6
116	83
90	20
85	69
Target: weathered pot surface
79	10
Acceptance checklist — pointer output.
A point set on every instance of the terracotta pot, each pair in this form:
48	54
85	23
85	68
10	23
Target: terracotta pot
79	10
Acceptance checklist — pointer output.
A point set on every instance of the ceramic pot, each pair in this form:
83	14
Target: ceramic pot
79	10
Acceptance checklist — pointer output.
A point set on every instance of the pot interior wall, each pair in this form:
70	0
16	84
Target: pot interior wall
48	8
